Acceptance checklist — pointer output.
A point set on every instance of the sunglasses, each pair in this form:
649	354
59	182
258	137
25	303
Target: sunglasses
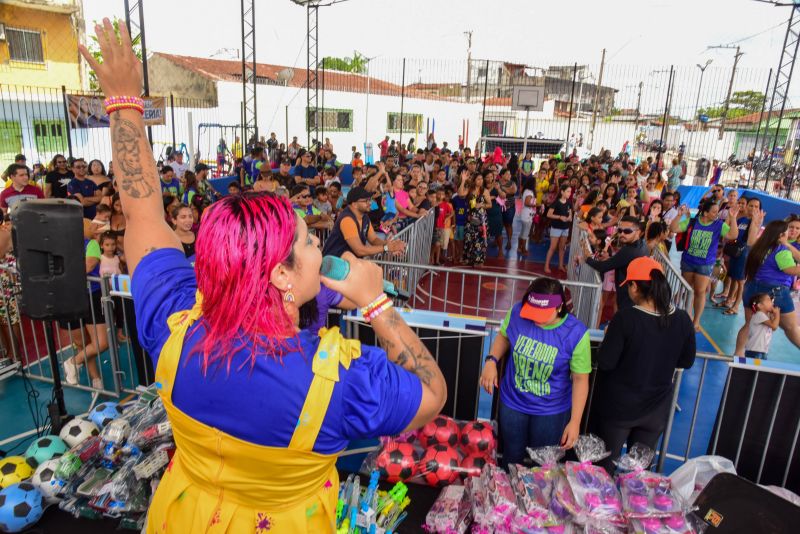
305	196
626	231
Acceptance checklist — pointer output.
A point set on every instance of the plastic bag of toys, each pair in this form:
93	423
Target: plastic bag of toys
502	502
438	454
593	498
450	512
534	486
478	500
644	493
152	428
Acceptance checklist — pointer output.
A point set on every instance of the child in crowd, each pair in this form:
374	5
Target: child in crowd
357	161
321	201
329	176
335	197
109	261
234	188
444	222
766	318
460	210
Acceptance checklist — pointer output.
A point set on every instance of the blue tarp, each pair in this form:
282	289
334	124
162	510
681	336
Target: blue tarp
776	208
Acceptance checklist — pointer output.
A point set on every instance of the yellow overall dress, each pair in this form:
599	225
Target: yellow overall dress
218	483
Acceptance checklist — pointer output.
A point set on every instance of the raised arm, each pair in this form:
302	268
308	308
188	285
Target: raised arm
120	74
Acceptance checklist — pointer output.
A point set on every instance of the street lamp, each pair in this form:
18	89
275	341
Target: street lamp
697	103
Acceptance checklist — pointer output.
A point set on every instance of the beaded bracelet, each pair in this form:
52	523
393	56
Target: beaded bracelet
117	103
377	311
376	304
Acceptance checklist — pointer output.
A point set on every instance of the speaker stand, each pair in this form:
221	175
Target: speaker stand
57	409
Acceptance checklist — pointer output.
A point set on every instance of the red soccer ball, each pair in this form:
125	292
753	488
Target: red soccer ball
441	431
440	465
472	465
397	462
477	438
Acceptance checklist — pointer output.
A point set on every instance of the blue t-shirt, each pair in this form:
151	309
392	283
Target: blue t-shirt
262	404
173	187
460	207
537	380
305	172
87	188
743	224
703	241
389	205
327	298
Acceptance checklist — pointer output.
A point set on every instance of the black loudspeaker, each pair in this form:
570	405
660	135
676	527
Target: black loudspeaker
49	245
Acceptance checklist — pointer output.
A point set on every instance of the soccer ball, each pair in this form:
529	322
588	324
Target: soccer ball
442	431
472	465
440	465
104	413
477	437
45	448
14	469
21	505
46	481
397	462
77	431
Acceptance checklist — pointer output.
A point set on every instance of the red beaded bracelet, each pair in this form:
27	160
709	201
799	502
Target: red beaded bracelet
117	103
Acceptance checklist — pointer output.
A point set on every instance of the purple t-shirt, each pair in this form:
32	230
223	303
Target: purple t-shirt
538	377
326	299
703	242
262	404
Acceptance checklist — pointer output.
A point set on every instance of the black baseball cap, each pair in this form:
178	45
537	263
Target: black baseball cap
200	167
20	157
356	194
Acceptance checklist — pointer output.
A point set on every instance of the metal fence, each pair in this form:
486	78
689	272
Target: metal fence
646	109
578	270
682	292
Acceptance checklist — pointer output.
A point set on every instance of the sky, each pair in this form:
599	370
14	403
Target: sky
646	33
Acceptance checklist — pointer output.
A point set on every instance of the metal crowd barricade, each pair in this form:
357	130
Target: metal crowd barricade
587	310
28	345
418	237
682	292
482	293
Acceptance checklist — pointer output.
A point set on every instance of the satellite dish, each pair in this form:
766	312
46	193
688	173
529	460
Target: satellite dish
285	75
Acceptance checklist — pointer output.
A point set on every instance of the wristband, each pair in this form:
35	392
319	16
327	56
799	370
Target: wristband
117	103
376	312
490	358
370	309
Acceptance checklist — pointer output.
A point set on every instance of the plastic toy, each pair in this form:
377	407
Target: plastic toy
440	465
478	438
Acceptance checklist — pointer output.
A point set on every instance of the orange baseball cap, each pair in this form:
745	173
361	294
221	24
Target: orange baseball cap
540	308
639	269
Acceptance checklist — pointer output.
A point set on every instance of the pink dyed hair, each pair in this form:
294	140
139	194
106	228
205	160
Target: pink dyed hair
242	238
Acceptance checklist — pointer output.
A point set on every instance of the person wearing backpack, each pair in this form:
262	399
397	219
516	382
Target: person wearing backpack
699	243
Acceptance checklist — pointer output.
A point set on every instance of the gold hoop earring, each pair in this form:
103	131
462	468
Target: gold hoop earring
288	296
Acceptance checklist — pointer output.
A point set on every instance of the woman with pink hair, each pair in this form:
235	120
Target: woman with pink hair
259	408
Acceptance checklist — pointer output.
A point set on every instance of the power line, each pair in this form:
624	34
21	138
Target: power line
759	33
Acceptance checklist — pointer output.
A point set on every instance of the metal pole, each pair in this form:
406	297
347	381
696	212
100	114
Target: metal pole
696	109
783	102
145	74
66	119
638	112
596	98
525	137
730	90
366	113
172	115
322	113
756	149
286	123
308	80
402	100
485	90
569	117
662	452
666	110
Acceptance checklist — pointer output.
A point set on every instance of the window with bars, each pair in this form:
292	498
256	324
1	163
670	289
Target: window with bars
25	45
412	122
331	120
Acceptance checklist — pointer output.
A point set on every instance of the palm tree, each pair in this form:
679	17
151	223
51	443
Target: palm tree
356	64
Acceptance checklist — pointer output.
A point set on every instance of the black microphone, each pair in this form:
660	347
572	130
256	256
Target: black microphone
336	268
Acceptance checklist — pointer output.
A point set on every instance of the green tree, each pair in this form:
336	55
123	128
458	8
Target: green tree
742	103
356	64
94	49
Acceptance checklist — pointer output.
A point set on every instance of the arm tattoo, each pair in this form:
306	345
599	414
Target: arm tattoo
416	359
126	138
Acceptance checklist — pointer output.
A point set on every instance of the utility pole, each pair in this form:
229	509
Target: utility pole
596	99
638	112
736	57
468	33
